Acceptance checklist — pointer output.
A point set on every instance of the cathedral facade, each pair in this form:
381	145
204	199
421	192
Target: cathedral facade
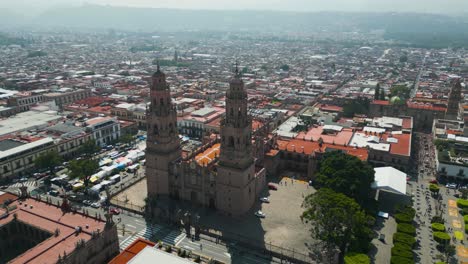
222	174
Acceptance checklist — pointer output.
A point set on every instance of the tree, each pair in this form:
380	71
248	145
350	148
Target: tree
125	139
403	58
346	174
401	91
358	106
382	94
89	148
83	169
48	160
337	220
284	67
464	193
377	92
449	252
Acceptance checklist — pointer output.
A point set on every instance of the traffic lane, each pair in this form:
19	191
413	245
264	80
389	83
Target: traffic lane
216	251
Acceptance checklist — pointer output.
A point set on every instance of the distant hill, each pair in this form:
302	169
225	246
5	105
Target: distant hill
413	28
9	18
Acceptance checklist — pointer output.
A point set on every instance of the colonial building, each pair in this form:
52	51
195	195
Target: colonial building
221	174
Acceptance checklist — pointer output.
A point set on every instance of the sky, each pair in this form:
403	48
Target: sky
420	6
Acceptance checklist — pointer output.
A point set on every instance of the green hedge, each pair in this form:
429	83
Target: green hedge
396	251
433	187
403	218
437	219
465	218
406	228
441	237
441	262
401	246
462	203
408	210
401	260
438	227
404	238
466	229
464	211
356	258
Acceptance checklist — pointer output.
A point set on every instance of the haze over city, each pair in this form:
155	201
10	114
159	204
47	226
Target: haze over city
243	132
420	6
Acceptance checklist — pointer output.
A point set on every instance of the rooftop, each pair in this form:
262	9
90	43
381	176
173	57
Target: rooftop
49	218
27	120
206	157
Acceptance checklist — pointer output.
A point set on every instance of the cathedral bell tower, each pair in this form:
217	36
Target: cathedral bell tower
162	143
235	184
453	106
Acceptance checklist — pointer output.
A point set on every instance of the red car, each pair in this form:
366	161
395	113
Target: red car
272	186
114	211
434	181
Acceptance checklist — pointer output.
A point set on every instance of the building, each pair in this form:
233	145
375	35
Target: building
35	231
103	129
23	101
65	96
453	107
220	174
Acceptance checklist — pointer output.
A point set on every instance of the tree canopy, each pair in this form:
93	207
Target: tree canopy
401	91
89	148
377	92
346	174
358	106
338	221
48	160
83	169
284	67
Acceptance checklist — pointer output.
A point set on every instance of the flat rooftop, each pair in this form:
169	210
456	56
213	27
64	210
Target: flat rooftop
9	144
206	157
27	120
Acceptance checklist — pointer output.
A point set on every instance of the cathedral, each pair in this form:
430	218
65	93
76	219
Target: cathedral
222	174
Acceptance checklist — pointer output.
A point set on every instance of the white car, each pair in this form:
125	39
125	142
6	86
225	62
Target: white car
95	205
260	214
451	186
265	200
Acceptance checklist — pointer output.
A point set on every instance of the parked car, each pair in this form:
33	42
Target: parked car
272	186
39	175
54	193
260	214
265	200
114	211
95	205
434	181
451	185
87	202
23	179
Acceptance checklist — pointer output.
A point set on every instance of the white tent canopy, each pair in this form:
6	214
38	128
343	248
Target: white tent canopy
390	179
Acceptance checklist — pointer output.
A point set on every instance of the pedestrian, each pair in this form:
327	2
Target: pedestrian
201	247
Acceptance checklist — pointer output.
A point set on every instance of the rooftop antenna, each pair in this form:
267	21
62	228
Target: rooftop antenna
237	67
159	68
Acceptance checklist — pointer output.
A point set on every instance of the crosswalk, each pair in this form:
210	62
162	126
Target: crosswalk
173	238
19	184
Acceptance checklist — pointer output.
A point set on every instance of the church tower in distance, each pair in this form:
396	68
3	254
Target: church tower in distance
162	144
453	106
235	183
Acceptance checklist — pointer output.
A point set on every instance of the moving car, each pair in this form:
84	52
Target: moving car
23	179
54	193
95	205
260	214
114	211
434	181
87	202
265	200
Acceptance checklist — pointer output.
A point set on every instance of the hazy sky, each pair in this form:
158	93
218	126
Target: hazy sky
426	6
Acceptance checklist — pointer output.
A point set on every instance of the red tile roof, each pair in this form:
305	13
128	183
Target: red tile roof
309	147
50	218
340	138
131	251
403	147
381	102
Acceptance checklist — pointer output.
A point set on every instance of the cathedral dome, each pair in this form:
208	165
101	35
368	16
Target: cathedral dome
395	100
